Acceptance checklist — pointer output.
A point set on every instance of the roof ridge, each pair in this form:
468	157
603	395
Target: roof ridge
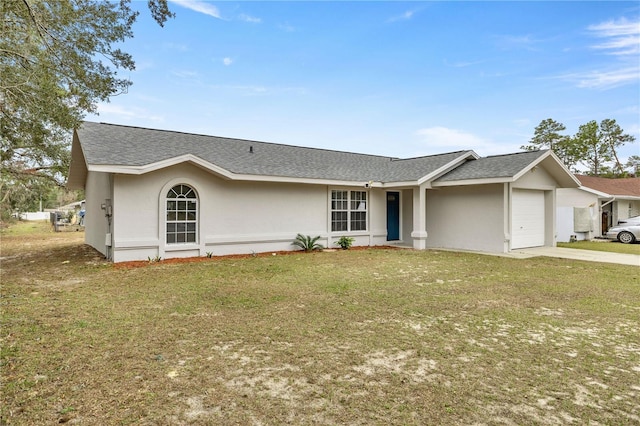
515	153
432	155
251	141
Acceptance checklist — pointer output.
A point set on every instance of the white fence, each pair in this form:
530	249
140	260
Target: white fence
35	216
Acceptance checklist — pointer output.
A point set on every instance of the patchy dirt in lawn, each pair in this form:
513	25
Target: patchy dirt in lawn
309	393
254	373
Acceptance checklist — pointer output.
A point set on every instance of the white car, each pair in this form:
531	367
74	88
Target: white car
627	231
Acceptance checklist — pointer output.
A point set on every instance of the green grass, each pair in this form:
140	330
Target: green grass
608	246
19	228
359	337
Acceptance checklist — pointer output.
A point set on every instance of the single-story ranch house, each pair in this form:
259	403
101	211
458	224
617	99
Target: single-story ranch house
155	193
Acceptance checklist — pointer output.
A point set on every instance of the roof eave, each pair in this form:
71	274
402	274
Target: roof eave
223	173
595	192
482	181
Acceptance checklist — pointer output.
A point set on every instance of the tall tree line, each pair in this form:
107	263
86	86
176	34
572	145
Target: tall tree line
595	147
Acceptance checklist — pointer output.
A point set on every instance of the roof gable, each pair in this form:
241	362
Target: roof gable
499	166
507	168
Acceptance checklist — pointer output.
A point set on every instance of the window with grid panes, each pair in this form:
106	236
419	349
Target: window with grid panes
182	215
348	211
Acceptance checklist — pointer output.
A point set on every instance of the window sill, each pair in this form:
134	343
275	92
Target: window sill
181	246
351	233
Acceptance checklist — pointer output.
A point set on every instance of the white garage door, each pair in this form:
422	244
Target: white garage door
527	219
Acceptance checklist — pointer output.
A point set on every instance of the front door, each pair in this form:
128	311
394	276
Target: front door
393	216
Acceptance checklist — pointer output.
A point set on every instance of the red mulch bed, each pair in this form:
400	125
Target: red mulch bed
179	260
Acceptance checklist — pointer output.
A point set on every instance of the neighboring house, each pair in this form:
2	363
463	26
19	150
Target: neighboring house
589	211
154	193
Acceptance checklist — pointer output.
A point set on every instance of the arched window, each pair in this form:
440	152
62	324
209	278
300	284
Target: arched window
182	215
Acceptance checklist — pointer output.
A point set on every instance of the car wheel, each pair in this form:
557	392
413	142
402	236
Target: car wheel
626	237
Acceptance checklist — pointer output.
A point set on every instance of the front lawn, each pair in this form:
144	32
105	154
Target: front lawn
383	337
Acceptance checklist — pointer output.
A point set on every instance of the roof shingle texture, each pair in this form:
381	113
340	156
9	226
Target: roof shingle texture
625	187
499	166
115	145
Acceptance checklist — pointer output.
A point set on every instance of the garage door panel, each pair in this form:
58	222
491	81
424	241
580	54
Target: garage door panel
528	223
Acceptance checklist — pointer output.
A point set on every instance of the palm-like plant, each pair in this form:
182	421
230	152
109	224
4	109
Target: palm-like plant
307	243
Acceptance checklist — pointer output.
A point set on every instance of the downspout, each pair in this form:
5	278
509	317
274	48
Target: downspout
109	217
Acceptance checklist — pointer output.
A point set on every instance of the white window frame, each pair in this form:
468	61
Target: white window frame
178	216
355	203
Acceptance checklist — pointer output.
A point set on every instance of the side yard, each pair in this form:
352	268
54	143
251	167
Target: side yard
393	337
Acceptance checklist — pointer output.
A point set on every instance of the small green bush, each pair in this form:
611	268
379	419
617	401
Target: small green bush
345	242
307	243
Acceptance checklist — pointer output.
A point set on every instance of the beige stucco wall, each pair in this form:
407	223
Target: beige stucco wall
244	217
406	214
377	234
466	218
536	178
575	197
234	217
97	190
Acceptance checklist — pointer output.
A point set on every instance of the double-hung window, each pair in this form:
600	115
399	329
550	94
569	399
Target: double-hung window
182	215
348	211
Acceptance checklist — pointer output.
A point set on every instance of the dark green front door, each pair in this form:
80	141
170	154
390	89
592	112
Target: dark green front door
393	216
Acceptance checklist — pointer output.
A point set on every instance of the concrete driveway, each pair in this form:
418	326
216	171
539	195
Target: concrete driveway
576	254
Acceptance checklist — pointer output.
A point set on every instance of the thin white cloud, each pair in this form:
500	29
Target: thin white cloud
438	139
462	64
256	90
509	42
227	61
250	19
522	122
607	79
402	17
622	37
185	73
199	6
176	46
287	27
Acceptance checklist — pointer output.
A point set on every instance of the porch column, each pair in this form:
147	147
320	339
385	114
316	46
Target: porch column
419	233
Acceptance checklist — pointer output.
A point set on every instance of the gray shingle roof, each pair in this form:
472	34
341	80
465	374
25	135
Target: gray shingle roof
498	166
116	145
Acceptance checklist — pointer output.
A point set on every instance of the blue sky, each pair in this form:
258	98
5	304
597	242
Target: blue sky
390	78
